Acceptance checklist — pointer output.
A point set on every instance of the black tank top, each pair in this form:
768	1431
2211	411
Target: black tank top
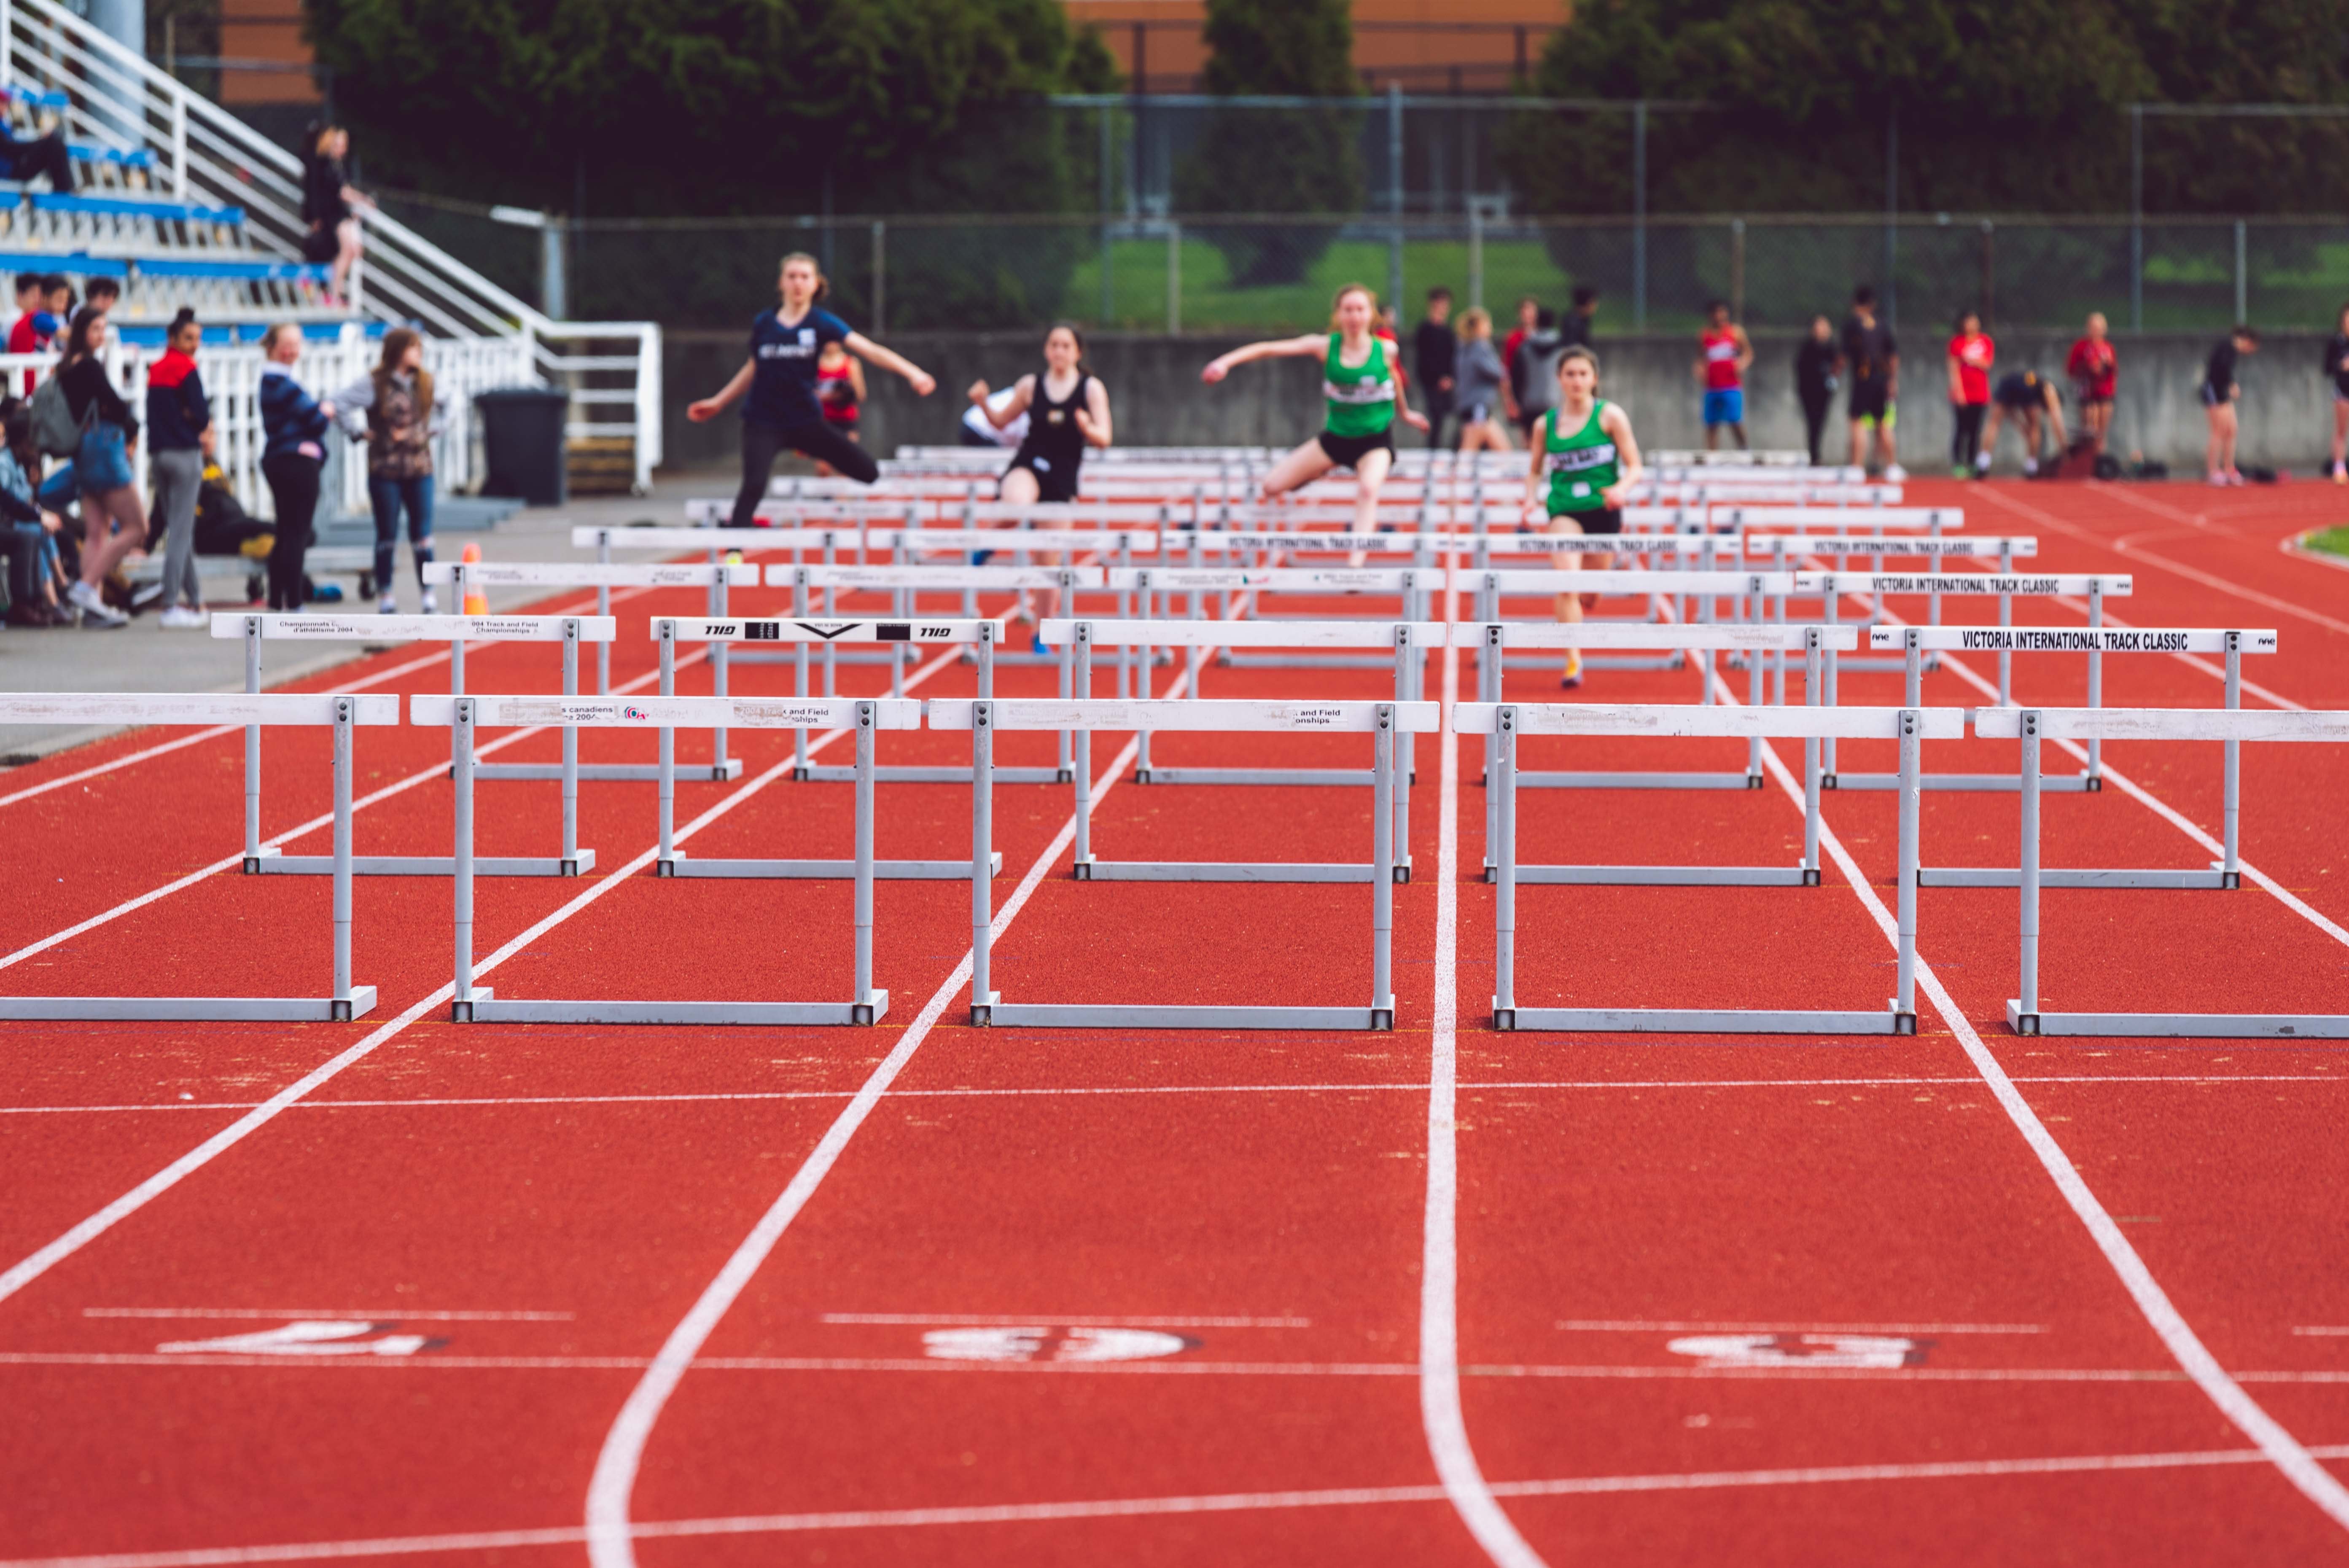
1054	445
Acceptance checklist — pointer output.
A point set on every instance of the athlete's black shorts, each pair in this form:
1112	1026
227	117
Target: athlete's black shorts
1869	401
1050	484
1348	452
2019	397
1602	519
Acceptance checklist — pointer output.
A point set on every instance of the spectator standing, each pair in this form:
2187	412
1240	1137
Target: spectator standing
293	428
1871	359
1480	383
330	206
2095	370
2031	400
1815	380
1533	372
839	392
1723	354
105	293
1575	331
1971	353
114	522
1435	352
392	410
1528	317
178	414
36	326
2221	392
2336	371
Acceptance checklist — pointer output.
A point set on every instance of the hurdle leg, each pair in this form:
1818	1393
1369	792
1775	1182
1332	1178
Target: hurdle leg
1778	656
1382	873
2229	872
982	837
1827	746
1811	640
718	678
868	1005
1904	1005
604	607
2095	684
666	767
460	1008
1754	660
572	859
799	737
2005	653
1504	855
252	747
1488	680
1068	688
1406	757
344	1006
2023	1014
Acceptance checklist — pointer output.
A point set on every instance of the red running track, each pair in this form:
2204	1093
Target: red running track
1785	1301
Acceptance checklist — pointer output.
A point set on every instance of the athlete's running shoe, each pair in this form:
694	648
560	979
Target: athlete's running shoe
1573	676
1895	475
2341	473
1960	471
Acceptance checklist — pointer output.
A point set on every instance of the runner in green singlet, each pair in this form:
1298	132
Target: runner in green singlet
1364	394
1585	462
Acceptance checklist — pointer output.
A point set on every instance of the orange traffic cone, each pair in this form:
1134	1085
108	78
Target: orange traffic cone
476	602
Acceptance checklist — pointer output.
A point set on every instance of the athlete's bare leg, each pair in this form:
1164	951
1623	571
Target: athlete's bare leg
1301	467
1572	605
1370	474
1019	487
2099	416
1859	444
2340	433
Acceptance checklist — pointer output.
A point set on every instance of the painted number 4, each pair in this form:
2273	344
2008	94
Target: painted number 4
309	1338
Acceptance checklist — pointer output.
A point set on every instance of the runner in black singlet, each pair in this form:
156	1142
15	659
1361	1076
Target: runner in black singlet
1067	409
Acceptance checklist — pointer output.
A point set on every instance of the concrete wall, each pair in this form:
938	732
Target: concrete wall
1157	400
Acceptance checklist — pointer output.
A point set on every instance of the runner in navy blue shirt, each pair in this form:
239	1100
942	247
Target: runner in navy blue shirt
782	413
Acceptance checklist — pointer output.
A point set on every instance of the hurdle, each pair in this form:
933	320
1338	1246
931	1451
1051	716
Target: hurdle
668	631
1505	721
464	715
1412	585
254	711
1383	721
1764	593
2025	1014
458	630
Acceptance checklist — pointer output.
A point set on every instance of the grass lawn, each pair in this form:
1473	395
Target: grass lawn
2331	541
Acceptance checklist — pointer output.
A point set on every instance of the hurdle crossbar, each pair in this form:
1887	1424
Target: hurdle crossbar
254	711
1505	721
466	714
2033	727
254	630
1381	720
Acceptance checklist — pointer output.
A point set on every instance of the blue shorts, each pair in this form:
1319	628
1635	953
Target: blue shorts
1724	406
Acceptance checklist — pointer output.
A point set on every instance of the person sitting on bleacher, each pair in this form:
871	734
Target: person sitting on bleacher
25	528
42	155
38	317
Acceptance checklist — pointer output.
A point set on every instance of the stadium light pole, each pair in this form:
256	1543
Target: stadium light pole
1639	215
1891	214
2137	217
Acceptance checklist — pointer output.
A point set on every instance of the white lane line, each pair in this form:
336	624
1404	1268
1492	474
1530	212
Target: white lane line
494	1101
2282	1450
399	786
1062	1320
609	1536
1440	1414
2193	661
2123	548
404	1313
31	1268
1651	1326
214	733
1150	1507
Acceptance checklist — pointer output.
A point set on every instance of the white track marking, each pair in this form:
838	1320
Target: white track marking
914	1320
31	1268
2197	1080
2286	1452
609	1535
406	1314
2122	548
2194	661
214	733
1440	1414
1159	1507
1647	1326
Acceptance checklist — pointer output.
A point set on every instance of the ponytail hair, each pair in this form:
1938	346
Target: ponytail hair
185	317
1365	290
823	283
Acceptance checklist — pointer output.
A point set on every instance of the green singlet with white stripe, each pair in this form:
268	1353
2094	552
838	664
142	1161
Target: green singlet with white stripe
1581	465
1362	397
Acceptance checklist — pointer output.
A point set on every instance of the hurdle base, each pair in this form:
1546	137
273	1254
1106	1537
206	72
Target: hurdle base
1555	780
2182	1026
485	1007
1698	1021
678	865
1663	876
1092	870
275	862
915	775
1057	1015
2214	879
196	1010
2058	784
610	772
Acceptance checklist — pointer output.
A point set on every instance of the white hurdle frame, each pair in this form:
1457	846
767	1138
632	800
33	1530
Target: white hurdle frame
254	629
1381	720
2031	726
1505	721
668	631
254	711
1410	642
466	714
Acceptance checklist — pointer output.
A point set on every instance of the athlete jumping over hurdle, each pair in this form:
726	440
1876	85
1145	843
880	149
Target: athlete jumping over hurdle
1364	395
1585	449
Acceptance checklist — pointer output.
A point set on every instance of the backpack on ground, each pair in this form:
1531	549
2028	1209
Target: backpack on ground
55	429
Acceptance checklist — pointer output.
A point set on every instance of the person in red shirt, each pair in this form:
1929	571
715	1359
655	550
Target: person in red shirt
2095	368
51	298
1971	353
1529	318
1723	355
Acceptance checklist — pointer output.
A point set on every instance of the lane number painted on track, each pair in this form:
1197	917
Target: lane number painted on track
308	1337
1881	1351
1013	1343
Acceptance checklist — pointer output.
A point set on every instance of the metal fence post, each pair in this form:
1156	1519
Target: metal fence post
1394	196
1108	183
1173	278
1891	216
1988	269
2137	217
880	277
1639	215
1737	269
1476	254
2243	276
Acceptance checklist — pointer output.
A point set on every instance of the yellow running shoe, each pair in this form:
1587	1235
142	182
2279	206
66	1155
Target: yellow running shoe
1573	670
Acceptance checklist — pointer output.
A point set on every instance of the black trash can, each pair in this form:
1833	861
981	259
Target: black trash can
522	440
